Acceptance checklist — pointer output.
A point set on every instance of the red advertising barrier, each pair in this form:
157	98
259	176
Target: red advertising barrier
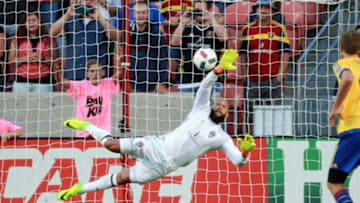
34	170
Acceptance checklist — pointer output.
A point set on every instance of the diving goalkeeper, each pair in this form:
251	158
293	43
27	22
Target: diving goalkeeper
200	133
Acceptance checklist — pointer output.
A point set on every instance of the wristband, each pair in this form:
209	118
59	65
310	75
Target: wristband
245	154
218	69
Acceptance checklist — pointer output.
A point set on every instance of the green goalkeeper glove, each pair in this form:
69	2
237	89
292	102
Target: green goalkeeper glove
228	58
247	144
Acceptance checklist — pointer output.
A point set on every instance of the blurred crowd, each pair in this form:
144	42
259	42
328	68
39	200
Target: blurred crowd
76	45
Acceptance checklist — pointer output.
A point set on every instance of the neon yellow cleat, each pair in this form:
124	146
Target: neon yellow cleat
68	193
76	124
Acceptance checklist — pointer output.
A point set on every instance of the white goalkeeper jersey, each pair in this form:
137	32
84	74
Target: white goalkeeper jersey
198	134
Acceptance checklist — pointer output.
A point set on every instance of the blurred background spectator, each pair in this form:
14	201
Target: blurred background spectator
197	29
172	10
49	9
11	13
93	96
155	16
9	130
148	53
87	32
277	15
31	54
265	54
2	58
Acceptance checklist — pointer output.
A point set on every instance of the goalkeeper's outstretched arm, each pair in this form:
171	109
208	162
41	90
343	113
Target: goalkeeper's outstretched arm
232	152
202	98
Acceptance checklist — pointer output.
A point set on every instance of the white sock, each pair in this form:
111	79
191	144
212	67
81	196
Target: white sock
98	133
103	183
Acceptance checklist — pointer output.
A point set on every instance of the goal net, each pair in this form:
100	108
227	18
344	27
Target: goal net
142	82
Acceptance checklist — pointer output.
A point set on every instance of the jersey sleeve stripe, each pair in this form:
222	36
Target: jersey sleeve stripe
266	36
175	8
342	71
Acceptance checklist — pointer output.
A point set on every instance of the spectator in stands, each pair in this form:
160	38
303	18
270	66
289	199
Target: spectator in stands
10	14
31	53
197	29
93	96
264	58
155	16
9	130
172	10
86	30
49	9
277	16
2	58
148	53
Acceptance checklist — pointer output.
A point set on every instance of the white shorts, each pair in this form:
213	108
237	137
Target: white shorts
152	160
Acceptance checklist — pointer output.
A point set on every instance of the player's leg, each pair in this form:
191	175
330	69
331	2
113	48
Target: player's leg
112	145
97	133
346	159
132	146
143	172
136	147
105	182
336	180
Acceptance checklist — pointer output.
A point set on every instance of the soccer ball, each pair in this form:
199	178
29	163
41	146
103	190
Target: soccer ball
205	59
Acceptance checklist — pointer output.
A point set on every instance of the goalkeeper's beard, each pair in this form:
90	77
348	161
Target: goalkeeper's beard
216	119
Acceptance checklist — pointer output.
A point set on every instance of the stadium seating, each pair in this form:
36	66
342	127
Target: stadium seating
234	35
296	37
214	9
300	17
232	92
237	13
304	14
